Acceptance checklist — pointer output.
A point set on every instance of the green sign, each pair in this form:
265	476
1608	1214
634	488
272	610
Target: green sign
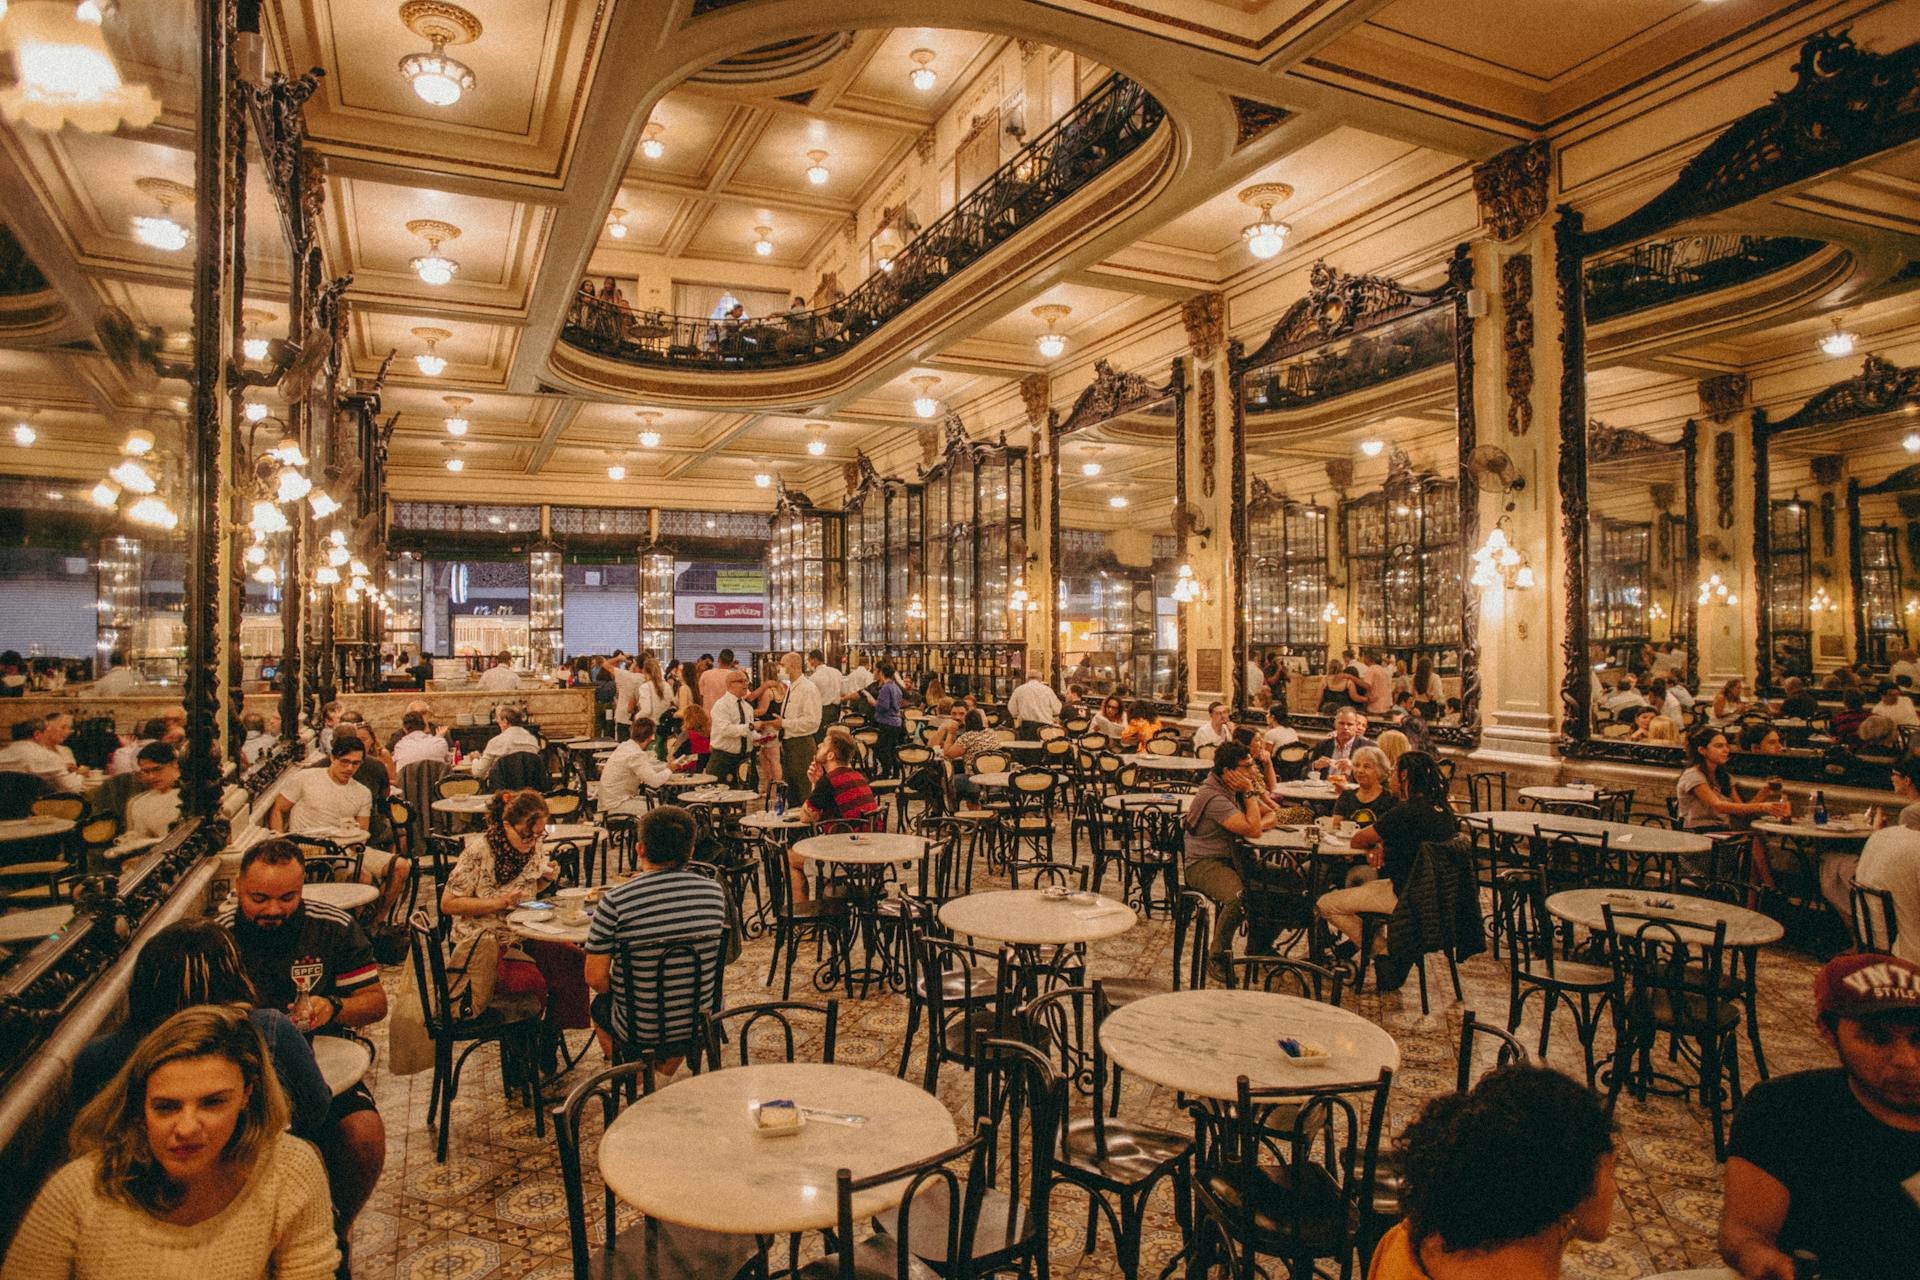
739	583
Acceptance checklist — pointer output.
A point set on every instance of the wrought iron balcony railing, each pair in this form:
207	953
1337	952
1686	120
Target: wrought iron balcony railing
1101	130
1656	272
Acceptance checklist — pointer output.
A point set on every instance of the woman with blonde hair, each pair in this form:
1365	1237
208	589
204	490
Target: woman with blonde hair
1393	743
499	868
183	1170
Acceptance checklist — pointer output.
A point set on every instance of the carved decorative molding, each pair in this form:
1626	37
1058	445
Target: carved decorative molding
1511	188
1722	397
1827	468
1609	444
1723	448
1880	387
1035	386
1110	395
1576	693
1845	104
923	146
1338	304
1251	118
1027	49
1828	512
1340	474
1516	301
1209	430
1205	319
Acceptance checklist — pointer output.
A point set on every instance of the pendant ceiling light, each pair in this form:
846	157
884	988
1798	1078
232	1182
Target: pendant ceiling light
1117	501
457	423
649	438
64	74
616	470
1265	238
106	493
139	443
1373	448
922	77
253	345
438	80
1051	344
322	504
763	241
455	463
130	474
24	435
925	404
651	145
617	223
762	480
162	231
1091	467
817	172
430	362
152	510
1838	343
817	441
434	267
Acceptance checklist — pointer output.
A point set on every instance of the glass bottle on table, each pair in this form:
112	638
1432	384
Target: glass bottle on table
1819	808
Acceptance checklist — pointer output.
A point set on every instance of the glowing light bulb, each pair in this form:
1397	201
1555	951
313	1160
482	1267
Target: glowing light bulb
922	77
1090	469
266	575
434	269
1265	238
254	348
651	146
160	233
327	576
1117	502
1051	345
817	172
104	494
256	554
438	80
616	472
650	439
762	480
817	448
255	411
133	477
1838	343
1912	442
456	465
24	435
430	364
291	485
267	519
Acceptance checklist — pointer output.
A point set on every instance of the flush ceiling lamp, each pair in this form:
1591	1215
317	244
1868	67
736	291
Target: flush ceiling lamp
1265	238
649	438
650	144
1091	467
162	232
763	241
1373	448
817	441
1118	501
438	80
817	172
1838	343
925	404
63	73
923	76
434	267
617	223
251	319
1051	344
457	423
762	480
430	362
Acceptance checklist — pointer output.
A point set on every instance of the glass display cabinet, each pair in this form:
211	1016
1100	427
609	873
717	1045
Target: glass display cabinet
884	541
1882	613
1286	576
121	591
1620	586
546	607
1403	546
803	574
976	531
406	588
1789	574
656	601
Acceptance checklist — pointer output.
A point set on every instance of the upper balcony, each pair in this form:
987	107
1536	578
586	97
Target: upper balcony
1072	157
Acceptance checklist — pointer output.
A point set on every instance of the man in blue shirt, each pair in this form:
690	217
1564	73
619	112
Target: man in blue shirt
887	706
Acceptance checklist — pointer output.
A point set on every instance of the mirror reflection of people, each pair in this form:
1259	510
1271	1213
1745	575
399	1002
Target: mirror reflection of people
39	748
500	677
152	812
192	1128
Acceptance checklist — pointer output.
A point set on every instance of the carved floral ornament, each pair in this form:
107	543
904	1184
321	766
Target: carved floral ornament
1205	319
1337	304
1511	188
1724	396
1516	302
1110	395
1880	387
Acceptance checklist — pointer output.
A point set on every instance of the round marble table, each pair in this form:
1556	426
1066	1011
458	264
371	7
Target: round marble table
744	1184
774	821
1022	744
17	927
1560	795
1168	764
571	831
1744	928
862	848
992	778
548	926
343	1063
347	897
1620	835
1308	790
1836	831
36	827
590	744
1201	1042
1028	918
1136	801
717	795
690	780
476	803
1300	839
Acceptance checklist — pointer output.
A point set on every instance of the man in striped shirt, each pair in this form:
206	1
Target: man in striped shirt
657	945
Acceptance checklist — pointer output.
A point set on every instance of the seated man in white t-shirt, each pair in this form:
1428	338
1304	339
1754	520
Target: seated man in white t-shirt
1217	729
417	744
1278	732
500	677
632	767
513	736
329	805
152	812
38	748
1890	862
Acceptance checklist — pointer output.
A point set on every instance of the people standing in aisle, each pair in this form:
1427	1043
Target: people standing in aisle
855	686
731	731
767	698
1033	707
889	704
713	683
830	682
798	724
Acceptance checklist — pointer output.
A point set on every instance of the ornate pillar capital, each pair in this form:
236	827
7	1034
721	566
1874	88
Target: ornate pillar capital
1511	188
1034	391
1205	318
1724	396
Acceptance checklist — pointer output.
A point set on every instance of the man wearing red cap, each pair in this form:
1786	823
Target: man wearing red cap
1827	1163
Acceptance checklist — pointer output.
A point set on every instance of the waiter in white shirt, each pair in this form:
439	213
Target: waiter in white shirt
855	683
1033	707
731	730
500	677
799	726
831	685
626	691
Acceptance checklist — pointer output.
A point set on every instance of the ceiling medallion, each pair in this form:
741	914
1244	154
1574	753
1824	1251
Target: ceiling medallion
923	75
1265	238
433	267
1051	344
438	80
430	362
162	232
457	422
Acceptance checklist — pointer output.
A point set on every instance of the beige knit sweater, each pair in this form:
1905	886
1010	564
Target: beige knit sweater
280	1225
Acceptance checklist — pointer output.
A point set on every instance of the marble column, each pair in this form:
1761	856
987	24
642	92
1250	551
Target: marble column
1725	495
1041	625
1205	524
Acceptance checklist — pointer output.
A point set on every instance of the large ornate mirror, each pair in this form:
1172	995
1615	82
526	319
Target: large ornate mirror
1118	487
1352	515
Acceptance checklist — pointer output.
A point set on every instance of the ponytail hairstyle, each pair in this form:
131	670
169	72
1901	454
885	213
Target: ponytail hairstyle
513	809
1420	775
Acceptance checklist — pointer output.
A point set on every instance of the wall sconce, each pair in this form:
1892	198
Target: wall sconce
1018	600
1716	590
1499	563
1187	588
1821	602
1330	614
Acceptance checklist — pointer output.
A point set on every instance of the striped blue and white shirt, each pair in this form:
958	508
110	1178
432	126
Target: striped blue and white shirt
644	915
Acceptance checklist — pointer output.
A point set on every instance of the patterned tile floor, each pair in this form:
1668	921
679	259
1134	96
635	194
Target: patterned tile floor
496	1208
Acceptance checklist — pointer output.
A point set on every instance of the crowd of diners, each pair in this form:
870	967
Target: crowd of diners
205	1144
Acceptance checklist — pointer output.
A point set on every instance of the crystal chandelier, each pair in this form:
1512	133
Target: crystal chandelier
1264	237
457	423
438	80
162	232
923	76
1051	344
430	362
64	74
925	404
434	267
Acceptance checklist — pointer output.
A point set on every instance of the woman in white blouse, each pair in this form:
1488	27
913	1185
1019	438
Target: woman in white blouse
1110	719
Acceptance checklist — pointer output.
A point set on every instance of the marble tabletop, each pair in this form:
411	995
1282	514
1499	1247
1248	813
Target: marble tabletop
1023	744
476	803
1560	795
572	831
37	827
1621	835
1201	1042
548	926
862	848
590	744
1744	928
775	821
347	897
1172	764
993	778
1028	918
1300	839
690	780
343	1063
748	1185
717	795
1165	801
1837	829
17	927
1307	789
